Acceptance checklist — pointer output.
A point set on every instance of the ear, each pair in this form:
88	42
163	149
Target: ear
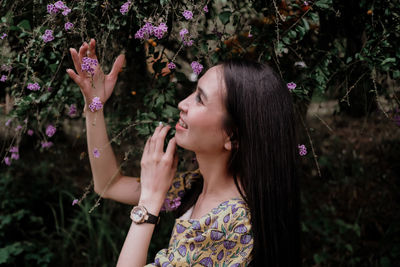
228	144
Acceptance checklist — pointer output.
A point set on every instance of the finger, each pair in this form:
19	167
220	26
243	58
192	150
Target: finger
117	67
82	51
75	59
146	147
74	76
92	49
176	160
170	152
159	146
154	138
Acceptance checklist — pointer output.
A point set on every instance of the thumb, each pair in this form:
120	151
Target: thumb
117	67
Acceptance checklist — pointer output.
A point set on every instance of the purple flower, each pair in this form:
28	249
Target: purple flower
19	127
4	35
249	35
171	65
160	30
89	64
206	262
48	36
180	228
72	110
50	130
46	144
188	43
74	202
59	5
205	9
51	9
33	86
229	244
96	104
197	67
49	89
147	30
291	86
3	78
220	255
30	132
182	250
240	229
68	26
14	149
302	150
7	161
187	14
216	235
125	7
96	153
245	239
183	32
66	11
15	156
8	122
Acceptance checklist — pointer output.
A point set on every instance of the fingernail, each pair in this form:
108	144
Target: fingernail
160	123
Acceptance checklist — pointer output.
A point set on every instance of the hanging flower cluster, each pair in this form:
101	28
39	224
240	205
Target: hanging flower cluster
197	67
96	104
125	7
48	36
302	150
148	30
33	86
58	7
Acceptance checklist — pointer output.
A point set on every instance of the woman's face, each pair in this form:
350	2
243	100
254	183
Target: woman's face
200	127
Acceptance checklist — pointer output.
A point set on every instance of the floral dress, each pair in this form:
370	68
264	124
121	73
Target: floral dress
222	237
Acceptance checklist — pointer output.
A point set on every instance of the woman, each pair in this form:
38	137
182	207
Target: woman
240	124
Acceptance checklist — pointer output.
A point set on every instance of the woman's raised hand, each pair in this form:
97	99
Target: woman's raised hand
98	85
158	168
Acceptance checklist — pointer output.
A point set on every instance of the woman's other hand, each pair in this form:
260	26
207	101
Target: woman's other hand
99	84
157	167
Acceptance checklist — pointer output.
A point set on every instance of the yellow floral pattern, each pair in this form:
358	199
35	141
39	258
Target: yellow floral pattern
222	237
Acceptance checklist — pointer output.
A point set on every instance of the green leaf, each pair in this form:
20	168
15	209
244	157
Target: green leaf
388	60
224	17
324	4
24	24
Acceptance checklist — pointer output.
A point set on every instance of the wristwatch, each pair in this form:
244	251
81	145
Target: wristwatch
139	215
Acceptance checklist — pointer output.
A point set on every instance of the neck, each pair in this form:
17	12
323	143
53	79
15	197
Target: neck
218	183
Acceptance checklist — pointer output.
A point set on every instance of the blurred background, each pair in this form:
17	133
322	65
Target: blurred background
340	59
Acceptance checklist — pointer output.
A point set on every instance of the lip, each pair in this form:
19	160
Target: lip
178	126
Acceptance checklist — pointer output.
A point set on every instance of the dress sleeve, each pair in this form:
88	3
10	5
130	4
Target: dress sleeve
180	184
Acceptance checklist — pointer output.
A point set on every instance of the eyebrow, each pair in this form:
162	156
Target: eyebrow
202	92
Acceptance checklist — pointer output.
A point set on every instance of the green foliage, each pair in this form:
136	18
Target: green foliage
341	50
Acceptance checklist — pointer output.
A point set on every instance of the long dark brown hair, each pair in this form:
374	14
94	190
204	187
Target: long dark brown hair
260	122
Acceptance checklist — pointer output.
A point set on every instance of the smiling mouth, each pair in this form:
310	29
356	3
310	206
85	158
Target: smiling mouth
183	124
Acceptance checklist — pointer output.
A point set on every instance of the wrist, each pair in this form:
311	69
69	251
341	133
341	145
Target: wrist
153	205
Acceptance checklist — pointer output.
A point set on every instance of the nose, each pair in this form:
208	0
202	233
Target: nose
183	105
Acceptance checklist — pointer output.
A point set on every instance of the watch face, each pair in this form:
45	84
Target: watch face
137	214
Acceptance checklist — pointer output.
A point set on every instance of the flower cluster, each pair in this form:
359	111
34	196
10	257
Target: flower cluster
30	132
205	9
14	156
50	130
124	8
187	14
48	36
46	144
3	78
197	67
96	104
68	26
148	30
72	110
186	39
291	86
171	204
19	127
75	202
57	7
302	150
89	64
171	65
33	86
4	35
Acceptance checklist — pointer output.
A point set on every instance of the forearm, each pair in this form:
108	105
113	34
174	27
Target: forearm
104	167
136	245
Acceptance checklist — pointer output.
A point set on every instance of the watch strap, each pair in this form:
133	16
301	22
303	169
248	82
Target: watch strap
151	218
